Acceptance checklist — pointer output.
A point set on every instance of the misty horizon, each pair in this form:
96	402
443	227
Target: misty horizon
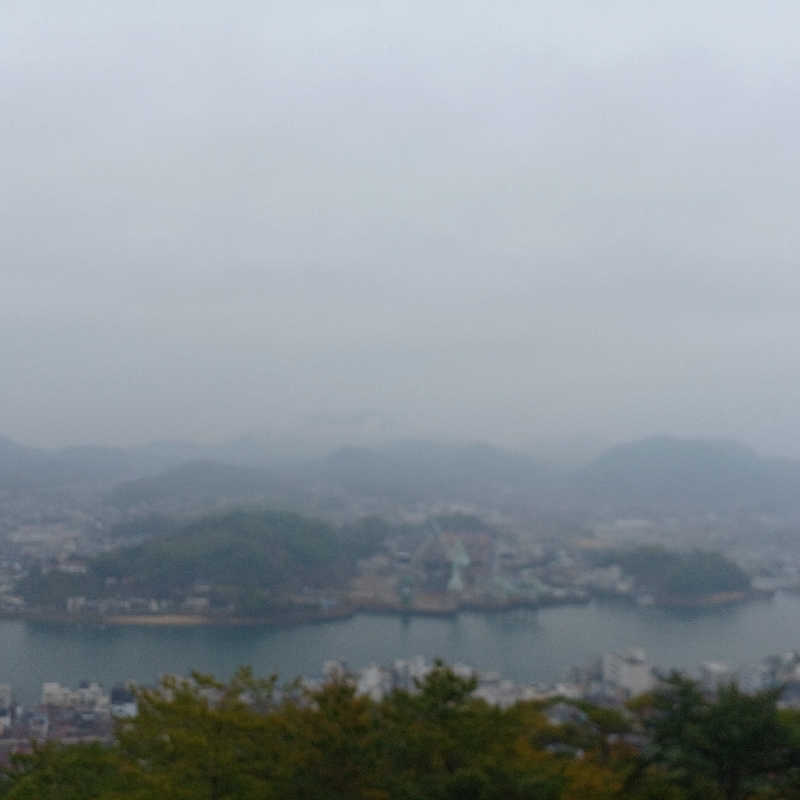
303	444
516	224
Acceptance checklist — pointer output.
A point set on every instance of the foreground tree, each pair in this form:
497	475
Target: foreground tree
728	747
248	740
73	772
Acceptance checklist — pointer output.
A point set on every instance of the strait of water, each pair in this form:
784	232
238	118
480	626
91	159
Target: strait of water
523	645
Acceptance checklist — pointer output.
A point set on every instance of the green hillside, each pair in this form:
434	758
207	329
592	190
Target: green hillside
679	577
242	548
247	558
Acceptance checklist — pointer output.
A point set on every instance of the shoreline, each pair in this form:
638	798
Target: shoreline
712	600
288	617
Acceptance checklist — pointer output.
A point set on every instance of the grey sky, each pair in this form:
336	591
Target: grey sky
507	221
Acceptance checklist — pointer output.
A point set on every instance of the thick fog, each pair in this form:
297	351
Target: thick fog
503	221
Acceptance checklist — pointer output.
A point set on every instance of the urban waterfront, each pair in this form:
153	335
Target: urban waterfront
522	645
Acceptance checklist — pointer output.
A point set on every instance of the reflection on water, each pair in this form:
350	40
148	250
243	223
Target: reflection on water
523	644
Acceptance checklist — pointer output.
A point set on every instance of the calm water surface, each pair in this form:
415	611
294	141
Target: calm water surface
523	645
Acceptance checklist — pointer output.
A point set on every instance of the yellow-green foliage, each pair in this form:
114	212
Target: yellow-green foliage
250	739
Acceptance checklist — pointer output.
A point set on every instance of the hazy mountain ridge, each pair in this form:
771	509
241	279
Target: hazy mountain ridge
663	472
202	481
429	470
398	473
658	473
23	467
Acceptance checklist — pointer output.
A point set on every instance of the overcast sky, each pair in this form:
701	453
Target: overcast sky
500	220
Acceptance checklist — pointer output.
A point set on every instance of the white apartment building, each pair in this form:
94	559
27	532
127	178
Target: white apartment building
629	671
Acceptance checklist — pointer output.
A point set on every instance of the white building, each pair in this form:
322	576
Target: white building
123	702
54	694
5	707
374	682
89	697
407	672
629	671
714	674
334	670
754	678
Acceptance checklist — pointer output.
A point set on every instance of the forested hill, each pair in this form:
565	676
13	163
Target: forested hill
249	557
244	549
674	577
